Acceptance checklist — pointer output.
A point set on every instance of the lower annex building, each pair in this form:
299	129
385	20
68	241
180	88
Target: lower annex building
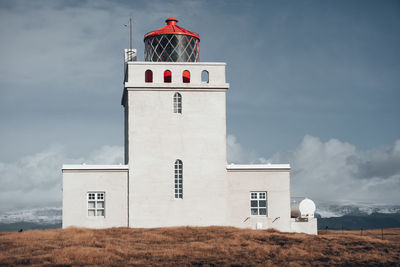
176	170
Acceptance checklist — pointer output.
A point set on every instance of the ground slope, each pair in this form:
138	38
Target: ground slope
205	246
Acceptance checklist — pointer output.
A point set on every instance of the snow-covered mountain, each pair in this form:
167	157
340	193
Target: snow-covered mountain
327	210
46	215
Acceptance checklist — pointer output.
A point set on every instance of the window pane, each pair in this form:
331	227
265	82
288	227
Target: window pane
262	203
253	203
253	195
254	211
100	205
91	205
100	212
263	211
262	195
204	76
91	212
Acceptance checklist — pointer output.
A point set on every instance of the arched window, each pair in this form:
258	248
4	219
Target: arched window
167	76
148	76
177	103
186	76
178	166
204	76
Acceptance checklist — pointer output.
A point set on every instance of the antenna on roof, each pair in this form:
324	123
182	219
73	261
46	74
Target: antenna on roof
172	8
130	33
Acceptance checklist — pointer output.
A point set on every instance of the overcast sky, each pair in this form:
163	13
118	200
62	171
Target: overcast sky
313	83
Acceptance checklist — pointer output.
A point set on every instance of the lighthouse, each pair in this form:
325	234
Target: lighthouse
176	132
176	171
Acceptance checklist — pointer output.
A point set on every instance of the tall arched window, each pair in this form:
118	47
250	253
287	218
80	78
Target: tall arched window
148	76
204	76
167	76
178	166
177	103
186	76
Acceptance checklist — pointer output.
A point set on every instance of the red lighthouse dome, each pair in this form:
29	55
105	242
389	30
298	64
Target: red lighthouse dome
172	43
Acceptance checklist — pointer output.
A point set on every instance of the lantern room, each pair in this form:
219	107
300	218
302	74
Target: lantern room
172	43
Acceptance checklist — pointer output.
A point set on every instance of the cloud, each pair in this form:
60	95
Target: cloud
35	180
237	154
335	171
332	171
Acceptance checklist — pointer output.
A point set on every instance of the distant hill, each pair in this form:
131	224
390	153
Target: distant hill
356	222
15	227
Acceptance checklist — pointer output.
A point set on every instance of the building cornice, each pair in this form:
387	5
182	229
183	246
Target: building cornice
176	63
258	167
84	167
174	87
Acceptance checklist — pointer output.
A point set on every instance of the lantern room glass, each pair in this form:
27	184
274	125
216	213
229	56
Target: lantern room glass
172	48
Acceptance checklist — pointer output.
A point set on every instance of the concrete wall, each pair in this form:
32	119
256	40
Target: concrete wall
309	227
157	137
78	180
276	182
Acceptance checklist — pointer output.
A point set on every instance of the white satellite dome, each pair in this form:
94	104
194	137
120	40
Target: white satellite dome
307	208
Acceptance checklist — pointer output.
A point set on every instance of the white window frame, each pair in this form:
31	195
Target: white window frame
177	103
259	197
98	199
178	179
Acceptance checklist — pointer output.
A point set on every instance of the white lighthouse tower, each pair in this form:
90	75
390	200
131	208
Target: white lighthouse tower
176	170
175	133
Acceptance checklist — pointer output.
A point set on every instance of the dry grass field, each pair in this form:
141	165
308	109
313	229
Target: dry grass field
198	246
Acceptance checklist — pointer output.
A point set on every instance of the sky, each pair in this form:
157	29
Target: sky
312	83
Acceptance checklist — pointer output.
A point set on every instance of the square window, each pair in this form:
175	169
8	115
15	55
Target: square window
258	203
254	211
96	204
100	212
263	211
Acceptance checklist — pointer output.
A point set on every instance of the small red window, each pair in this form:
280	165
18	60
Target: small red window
186	76
149	76
167	76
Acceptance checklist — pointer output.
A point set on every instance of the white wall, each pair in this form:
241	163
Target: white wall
157	137
277	185
309	227
79	180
